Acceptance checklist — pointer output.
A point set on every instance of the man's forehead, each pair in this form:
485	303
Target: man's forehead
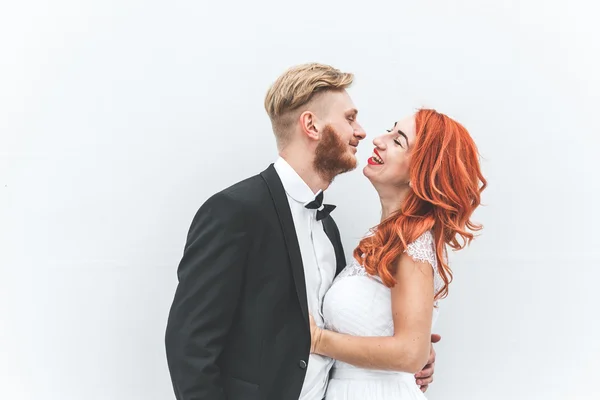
343	101
338	102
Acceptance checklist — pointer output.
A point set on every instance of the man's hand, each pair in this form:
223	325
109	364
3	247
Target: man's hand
425	377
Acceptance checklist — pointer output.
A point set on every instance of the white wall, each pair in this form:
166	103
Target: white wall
119	118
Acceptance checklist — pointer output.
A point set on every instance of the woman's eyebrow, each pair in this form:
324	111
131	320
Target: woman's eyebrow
403	135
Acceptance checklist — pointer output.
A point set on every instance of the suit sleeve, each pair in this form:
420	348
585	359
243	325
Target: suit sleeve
210	279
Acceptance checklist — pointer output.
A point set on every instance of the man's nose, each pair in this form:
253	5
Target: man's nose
360	133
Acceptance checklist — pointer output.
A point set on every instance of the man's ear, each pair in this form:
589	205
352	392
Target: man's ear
308	124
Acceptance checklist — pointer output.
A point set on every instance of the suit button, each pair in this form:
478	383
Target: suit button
302	364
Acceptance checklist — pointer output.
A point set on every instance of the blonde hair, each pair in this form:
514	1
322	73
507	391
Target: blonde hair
295	88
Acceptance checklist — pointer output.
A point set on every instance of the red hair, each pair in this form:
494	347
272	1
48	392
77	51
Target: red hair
446	183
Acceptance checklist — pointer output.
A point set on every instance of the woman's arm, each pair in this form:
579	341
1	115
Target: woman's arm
408	349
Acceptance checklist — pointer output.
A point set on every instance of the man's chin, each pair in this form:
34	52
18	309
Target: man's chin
350	165
352	160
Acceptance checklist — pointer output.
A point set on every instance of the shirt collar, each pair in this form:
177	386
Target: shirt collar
294	185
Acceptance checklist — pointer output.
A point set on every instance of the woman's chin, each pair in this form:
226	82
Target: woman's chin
368	172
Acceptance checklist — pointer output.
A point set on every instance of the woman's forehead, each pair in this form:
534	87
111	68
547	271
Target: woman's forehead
408	126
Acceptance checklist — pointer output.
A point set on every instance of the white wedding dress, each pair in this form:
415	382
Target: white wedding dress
359	304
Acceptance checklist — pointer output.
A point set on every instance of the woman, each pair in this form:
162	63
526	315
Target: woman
380	310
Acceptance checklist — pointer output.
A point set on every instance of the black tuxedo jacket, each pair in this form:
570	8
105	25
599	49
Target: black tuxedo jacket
238	327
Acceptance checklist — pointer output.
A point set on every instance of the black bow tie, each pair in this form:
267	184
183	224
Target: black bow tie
323	210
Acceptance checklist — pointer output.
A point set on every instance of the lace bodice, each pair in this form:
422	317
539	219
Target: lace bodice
422	249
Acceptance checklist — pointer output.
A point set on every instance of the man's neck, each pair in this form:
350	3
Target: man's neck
304	168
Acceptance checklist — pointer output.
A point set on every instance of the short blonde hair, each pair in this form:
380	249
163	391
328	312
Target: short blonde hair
295	88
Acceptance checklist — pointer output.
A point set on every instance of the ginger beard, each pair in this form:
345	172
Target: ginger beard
332	156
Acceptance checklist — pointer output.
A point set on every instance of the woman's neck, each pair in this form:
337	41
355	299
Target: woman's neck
392	200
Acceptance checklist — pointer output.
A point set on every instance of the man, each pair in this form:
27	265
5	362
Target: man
261	254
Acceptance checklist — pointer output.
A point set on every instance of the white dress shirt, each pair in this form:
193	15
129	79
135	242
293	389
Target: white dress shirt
318	259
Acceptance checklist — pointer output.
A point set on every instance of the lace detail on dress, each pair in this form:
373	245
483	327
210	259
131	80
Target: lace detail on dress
423	250
353	269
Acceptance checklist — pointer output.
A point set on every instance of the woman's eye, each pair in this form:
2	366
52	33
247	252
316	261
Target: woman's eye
398	143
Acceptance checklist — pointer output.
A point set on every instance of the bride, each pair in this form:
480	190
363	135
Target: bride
379	312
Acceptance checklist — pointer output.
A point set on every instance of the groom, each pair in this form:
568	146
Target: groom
261	254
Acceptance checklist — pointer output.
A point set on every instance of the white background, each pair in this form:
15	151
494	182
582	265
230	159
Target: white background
119	118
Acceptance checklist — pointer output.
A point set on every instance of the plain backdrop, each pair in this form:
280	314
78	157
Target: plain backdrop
118	119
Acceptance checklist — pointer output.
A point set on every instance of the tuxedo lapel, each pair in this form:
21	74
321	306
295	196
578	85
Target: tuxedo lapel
289	233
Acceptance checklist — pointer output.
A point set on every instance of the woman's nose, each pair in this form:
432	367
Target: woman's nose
378	142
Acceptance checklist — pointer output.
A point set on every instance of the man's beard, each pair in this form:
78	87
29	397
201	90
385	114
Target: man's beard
331	156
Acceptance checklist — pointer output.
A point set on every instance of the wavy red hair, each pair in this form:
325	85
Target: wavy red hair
446	183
